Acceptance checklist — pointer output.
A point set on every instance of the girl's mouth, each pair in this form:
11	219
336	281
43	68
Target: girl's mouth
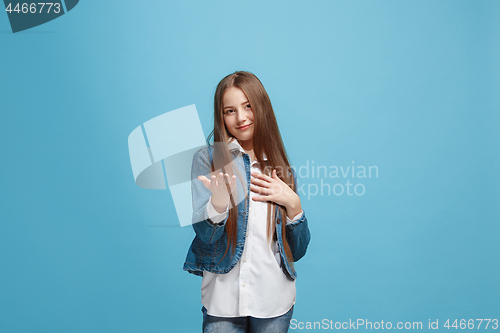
244	127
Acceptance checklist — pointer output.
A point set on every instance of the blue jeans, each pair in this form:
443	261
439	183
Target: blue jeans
212	324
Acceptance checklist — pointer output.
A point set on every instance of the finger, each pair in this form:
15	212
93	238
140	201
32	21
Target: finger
260	198
213	181
232	186
227	181
201	177
260	190
274	175
220	180
222	187
259	182
261	176
205	181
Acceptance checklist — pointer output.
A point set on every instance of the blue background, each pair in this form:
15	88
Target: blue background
411	87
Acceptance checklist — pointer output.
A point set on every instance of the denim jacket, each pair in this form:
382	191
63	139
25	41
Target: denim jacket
209	244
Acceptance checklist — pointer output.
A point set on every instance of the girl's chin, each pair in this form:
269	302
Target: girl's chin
243	138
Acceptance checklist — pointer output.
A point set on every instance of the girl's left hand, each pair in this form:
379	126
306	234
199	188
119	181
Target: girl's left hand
275	190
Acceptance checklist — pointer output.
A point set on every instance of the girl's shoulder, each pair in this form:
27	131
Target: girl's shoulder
203	155
205	150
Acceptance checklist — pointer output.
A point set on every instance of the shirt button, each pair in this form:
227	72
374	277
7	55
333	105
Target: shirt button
245	259
244	284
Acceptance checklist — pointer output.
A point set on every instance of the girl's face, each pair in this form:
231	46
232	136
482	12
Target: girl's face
238	114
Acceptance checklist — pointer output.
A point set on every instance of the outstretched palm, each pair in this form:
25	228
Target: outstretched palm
217	185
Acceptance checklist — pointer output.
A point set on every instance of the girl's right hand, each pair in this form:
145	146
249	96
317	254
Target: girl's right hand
217	185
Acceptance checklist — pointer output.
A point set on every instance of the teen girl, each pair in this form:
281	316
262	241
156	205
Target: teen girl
247	216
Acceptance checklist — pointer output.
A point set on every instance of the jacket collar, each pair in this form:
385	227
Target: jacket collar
235	145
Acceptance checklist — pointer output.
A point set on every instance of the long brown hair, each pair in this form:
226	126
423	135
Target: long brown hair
266	140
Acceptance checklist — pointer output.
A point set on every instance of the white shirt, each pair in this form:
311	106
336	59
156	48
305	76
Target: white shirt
256	286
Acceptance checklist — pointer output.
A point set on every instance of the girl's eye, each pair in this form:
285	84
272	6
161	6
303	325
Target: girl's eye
229	111
248	106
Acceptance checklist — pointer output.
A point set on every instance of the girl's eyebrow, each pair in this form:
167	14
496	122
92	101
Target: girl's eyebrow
229	106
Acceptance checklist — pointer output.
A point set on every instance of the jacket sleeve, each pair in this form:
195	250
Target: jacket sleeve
297	233
205	229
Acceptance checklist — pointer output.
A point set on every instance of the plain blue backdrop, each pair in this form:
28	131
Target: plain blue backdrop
412	87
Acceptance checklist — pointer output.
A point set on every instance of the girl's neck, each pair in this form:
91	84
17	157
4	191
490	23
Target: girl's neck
248	148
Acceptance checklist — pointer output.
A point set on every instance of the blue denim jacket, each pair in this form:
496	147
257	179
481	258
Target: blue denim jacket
209	244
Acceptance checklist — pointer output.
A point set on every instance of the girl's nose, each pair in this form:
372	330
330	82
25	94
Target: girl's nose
241	116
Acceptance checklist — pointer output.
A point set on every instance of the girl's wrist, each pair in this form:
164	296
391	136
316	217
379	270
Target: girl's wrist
293	208
220	207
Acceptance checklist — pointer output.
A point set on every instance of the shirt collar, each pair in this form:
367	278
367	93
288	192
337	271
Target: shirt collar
235	145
